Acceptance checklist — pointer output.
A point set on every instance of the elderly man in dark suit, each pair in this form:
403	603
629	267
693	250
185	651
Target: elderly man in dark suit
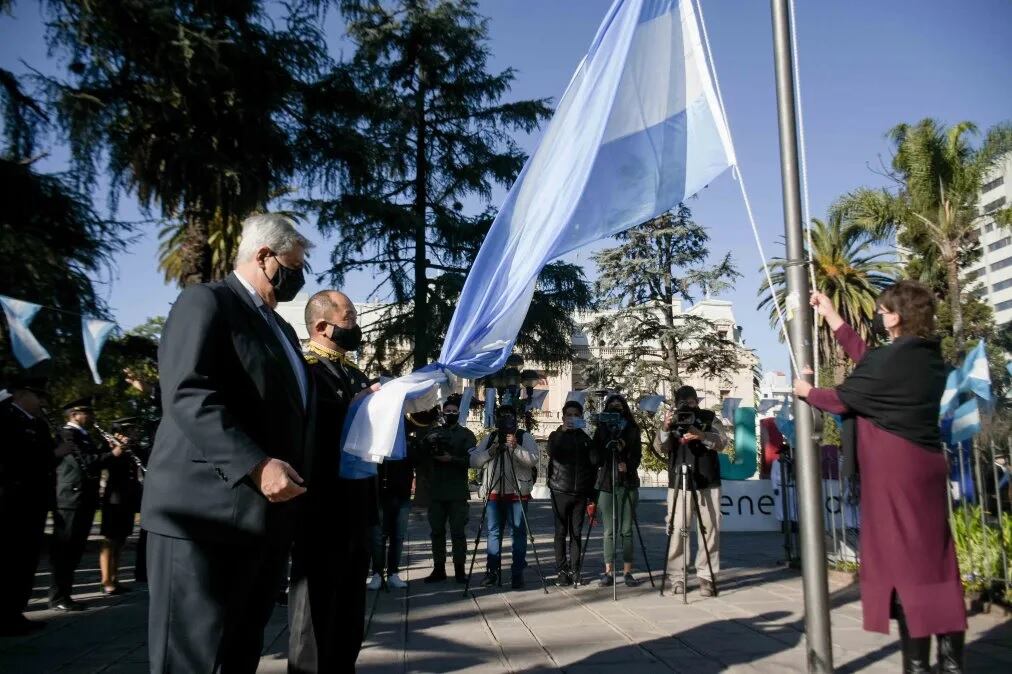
229	458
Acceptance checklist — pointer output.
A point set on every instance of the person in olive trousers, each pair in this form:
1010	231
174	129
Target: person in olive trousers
446	448
624	495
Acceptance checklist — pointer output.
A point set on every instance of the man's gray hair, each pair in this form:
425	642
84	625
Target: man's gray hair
274	230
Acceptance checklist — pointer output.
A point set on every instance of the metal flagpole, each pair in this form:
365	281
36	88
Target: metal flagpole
807	460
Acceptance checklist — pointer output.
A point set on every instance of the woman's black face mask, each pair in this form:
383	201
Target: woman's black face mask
878	327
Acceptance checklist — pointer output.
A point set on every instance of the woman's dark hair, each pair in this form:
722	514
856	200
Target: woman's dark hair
575	405
915	304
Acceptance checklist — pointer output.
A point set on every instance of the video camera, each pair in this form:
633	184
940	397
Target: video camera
613	422
436	443
683	419
506	424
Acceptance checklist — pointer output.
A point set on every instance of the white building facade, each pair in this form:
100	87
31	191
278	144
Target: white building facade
559	381
992	274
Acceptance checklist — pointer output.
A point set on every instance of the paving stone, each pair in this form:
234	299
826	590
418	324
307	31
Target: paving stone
754	625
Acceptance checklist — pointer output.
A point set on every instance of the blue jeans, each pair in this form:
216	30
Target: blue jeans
497	515
393	526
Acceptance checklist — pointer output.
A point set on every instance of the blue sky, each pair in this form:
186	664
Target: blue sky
866	65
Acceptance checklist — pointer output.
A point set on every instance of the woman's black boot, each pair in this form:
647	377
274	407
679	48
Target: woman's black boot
950	652
916	652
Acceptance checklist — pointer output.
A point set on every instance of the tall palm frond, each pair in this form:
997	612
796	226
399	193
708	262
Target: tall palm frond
847	268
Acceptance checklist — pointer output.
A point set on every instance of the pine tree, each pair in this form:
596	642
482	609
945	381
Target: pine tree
190	106
425	129
648	345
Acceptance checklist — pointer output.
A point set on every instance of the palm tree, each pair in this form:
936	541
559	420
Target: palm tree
933	209
847	269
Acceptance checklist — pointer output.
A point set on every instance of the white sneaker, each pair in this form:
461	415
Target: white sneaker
395	581
374	582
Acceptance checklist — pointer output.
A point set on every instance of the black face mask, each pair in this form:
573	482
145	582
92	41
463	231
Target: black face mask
878	327
451	419
287	282
349	339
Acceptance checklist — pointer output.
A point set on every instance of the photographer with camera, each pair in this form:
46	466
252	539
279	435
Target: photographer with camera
513	454
446	448
617	438
571	479
692	438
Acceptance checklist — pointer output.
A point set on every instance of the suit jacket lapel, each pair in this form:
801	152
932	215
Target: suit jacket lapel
270	340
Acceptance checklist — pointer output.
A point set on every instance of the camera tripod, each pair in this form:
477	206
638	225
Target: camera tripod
499	462
683	487
614	446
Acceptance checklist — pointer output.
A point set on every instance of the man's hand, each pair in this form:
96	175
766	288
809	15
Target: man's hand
511	441
669	416
277	481
119	444
693	433
621	466
366	392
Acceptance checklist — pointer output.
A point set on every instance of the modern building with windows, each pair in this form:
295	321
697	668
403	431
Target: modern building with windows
992	274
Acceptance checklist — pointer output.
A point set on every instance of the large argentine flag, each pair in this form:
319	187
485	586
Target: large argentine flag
638	130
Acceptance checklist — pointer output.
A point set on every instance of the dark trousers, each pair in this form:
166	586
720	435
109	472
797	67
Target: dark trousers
326	602
24	527
388	536
209	602
456	512
70	535
141	559
569	511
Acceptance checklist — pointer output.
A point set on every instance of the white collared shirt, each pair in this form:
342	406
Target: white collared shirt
294	358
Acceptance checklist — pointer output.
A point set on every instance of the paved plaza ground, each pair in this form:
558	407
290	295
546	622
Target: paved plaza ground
754	625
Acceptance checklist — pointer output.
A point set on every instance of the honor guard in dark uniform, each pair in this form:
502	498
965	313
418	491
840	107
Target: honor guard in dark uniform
26	495
147	411
82	457
331	555
121	499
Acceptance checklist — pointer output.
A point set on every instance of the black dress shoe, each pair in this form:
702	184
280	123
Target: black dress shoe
20	626
67	605
117	590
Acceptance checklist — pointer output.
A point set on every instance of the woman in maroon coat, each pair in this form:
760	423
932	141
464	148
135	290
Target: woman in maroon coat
890	405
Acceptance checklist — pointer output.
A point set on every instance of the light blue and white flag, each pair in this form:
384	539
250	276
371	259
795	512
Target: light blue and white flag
973	376
578	397
537	400
94	332
465	405
489	417
19	314
650	404
729	407
965	421
976	373
638	130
